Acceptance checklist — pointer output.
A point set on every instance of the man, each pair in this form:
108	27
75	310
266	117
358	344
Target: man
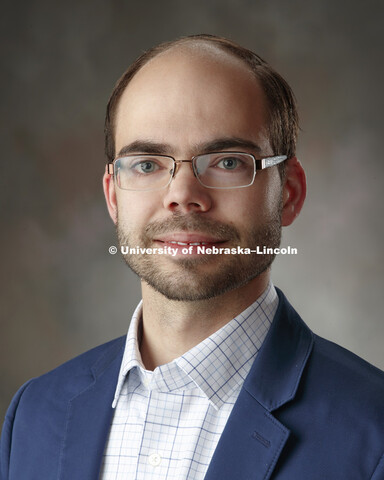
218	377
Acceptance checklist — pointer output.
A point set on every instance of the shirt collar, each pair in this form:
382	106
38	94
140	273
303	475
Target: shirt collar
131	357
218	365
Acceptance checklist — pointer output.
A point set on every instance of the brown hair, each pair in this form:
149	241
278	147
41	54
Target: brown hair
283	118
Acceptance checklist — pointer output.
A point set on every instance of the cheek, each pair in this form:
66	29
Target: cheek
272	200
269	192
134	209
256	205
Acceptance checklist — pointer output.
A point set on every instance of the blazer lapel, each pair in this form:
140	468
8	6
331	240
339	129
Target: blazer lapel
250	445
88	420
253	438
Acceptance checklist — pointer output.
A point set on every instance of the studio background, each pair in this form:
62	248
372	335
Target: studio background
62	292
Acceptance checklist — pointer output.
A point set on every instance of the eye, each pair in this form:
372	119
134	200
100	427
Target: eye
229	163
145	166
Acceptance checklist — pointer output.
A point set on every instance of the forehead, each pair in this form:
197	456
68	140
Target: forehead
189	95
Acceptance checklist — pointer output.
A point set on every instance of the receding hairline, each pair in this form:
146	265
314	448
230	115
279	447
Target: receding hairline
195	51
198	48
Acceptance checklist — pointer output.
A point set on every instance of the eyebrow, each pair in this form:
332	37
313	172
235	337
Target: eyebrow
225	143
145	146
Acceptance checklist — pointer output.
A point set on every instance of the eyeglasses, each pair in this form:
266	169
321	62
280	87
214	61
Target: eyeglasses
145	172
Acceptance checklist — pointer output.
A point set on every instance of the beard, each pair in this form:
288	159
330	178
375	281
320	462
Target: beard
205	276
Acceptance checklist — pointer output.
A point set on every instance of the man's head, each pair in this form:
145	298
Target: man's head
188	98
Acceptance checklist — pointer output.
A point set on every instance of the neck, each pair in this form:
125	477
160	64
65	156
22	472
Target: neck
171	328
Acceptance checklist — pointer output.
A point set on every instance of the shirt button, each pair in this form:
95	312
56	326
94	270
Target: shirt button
154	459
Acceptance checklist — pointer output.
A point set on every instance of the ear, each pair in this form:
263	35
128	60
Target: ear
294	191
110	194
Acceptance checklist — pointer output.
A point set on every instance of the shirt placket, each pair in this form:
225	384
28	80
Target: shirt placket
159	449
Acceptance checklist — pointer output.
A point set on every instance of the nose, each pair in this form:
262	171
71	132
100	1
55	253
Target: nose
185	193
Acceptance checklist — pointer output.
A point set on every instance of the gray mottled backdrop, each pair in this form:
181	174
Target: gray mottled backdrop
61	291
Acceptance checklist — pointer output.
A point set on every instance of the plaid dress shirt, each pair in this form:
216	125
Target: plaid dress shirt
167	423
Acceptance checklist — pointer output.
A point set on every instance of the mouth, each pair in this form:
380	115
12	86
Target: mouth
188	241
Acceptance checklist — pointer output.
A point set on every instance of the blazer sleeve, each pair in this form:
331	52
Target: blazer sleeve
6	434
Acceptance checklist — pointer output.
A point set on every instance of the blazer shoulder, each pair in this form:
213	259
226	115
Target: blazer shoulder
332	363
346	379
331	373
41	406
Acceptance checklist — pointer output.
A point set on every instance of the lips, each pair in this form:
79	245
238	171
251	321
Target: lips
188	243
186	239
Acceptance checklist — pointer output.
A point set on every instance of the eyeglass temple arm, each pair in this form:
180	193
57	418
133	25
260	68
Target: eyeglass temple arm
270	161
110	168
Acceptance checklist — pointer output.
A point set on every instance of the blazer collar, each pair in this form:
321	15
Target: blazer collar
253	438
276	373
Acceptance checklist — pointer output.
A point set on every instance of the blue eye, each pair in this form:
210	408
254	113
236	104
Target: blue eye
147	166
228	163
144	166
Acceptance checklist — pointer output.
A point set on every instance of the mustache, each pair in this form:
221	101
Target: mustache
192	223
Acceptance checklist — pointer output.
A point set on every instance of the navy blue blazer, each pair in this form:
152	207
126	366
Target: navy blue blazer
308	410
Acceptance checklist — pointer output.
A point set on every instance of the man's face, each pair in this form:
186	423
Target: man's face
180	104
